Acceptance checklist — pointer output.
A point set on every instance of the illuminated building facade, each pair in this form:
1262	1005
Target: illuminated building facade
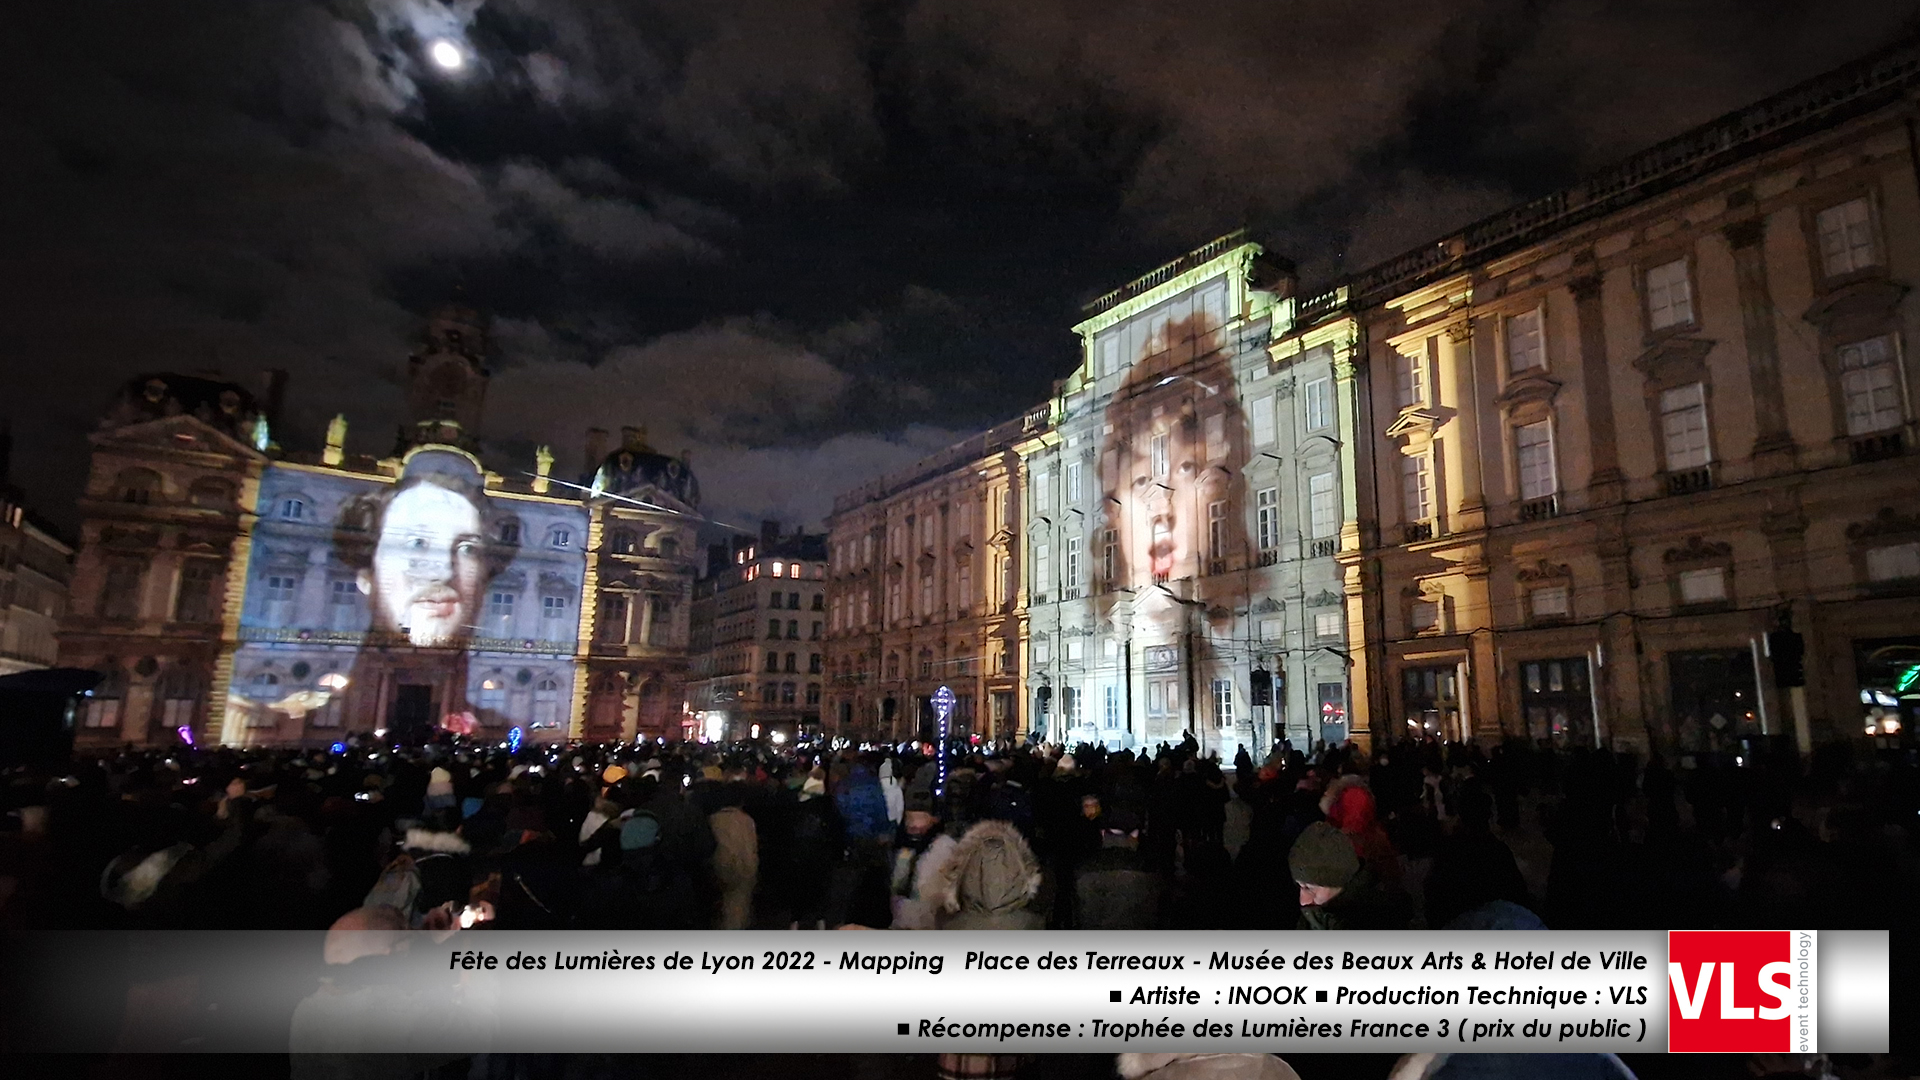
35	569
1184	507
760	637
1620	434
923	591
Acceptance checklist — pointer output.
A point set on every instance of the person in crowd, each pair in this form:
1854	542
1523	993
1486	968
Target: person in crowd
924	849
1337	891
1116	887
989	881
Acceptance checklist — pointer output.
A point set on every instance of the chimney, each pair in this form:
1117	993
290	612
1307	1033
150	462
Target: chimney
273	394
596	452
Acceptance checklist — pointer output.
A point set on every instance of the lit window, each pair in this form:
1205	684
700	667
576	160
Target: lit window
1896	562
1327	625
1704	586
1217	543
1260	420
1533	446
1869	378
1074	479
1319	404
560	538
1324	520
1070	575
500	611
1267	518
1846	237
779	570
1669	295
1110	705
1524	348
1043	490
1412	379
1042	569
1223	702
1157	453
1683	420
1416	487
1109	349
1548	602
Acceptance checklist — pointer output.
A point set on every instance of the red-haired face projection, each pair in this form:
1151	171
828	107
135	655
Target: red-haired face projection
1170	470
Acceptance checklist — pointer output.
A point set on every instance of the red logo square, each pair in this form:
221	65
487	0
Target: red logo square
1731	991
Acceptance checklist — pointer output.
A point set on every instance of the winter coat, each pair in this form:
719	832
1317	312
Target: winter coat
1116	889
1203	1067
914	904
990	880
863	806
1362	905
1510	1067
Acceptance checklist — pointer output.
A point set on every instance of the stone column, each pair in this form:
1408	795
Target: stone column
640	607
1457	352
1596	377
1773	443
1345	386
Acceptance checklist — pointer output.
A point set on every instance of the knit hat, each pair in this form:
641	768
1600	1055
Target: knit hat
919	793
613	775
440	783
1323	856
639	832
712	772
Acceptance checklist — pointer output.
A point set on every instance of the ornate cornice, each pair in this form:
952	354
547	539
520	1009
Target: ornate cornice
1545	571
1674	356
1885	523
1698	550
1873	297
1534	385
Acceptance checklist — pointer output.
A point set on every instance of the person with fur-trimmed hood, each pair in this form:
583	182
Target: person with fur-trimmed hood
989	881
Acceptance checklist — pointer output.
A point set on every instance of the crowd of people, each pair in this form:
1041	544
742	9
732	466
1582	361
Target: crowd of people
660	836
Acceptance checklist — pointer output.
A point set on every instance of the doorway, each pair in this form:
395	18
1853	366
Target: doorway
412	711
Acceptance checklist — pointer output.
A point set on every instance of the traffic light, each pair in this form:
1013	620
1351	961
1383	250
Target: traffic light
1262	686
1789	652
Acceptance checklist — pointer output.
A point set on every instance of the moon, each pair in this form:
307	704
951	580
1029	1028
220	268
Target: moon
447	55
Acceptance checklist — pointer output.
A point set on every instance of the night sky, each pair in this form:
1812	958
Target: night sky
807	240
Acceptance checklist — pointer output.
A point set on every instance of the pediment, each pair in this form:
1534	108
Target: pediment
1675	359
1875	297
1545	571
1699	550
1414	422
182	433
1324	598
1534	386
1002	539
1886	523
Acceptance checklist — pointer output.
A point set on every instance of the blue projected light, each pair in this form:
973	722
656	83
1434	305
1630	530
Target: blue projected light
942	708
513	740
339	748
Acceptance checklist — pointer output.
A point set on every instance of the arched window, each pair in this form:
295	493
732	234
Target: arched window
293	506
141	487
177	698
211	494
546	703
559	537
493	692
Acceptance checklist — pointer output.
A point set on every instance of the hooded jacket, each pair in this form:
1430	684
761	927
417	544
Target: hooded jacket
990	881
1203	1067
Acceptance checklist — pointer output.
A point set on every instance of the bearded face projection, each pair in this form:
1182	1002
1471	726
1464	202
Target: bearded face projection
1171	470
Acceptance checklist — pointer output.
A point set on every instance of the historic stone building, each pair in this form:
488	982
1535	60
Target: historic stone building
253	596
642	560
166	515
1184	506
35	568
1617	435
760	637
923	591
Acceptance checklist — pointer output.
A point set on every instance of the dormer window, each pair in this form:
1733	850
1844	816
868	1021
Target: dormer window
293	508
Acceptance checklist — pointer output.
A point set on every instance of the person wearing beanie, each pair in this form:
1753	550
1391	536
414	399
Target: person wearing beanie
439	790
1115	886
919	858
1337	891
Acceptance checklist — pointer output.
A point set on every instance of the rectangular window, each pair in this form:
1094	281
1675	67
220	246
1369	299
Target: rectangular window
893	601
1706	586
1223	702
1272	629
1896	562
1846	237
1070	572
1075	650
815	636
1043	490
1042	569
1070	706
1549	602
1110	559
1683	422
1412	379
1533	446
1110	701
500	612
1319	404
773	661
1042	650
1260	420
1157	454
194	604
1416	487
1425	616
343	604
1328	625
1216	433
1870	380
793	629
773	628
1108	348
1669	295
1217	532
926	594
1525	350
964	586
1075	475
1267	518
1323	517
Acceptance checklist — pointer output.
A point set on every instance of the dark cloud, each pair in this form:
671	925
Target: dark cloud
807	240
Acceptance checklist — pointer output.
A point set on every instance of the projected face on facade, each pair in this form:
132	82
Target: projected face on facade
429	564
1170	471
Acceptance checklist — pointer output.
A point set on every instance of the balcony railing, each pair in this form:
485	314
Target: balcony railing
1322	549
1216	566
1070	592
1540	509
1880	447
1269	557
1688	481
1416	531
1168	272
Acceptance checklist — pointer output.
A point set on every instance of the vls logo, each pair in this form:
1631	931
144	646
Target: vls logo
1742	991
